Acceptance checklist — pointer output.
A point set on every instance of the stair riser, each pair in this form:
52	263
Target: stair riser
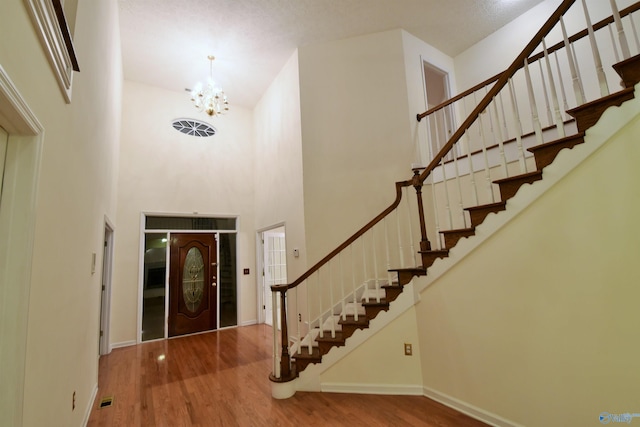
392	294
372	312
324	347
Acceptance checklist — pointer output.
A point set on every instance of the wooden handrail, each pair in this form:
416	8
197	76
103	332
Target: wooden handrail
497	87
579	35
349	241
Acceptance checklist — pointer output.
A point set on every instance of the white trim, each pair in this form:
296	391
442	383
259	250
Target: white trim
17	226
385	389
45	22
248	323
260	266
106	281
124	344
92	401
468	409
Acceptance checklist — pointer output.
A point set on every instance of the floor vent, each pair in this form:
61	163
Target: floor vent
106	402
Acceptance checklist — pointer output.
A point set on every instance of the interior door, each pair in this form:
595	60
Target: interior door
275	268
193	292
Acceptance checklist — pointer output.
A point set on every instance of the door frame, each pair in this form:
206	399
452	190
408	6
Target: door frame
260	267
17	224
104	346
143	231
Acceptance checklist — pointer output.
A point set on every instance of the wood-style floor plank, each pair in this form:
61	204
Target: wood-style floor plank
221	379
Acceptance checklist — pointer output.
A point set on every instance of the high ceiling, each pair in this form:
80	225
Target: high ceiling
165	43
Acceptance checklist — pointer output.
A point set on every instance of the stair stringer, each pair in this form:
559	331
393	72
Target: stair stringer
611	121
309	379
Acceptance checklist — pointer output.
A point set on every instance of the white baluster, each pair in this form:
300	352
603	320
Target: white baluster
364	267
436	213
613	44
375	256
602	79
546	94
459	184
554	93
565	104
493	116
308	283
622	38
342	279
635	32
472	174
353	283
320	311
331	303
518	126
411	239
487	169
386	242
504	117
400	239
532	103
577	85
446	189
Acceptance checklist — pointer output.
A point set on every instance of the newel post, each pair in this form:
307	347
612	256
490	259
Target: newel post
425	245
285	361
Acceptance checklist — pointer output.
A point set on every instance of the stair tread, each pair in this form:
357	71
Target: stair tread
304	354
487	206
459	230
558	141
436	252
519	177
601	100
351	320
373	302
328	338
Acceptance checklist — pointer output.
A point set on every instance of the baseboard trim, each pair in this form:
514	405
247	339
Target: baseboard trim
92	401
249	323
467	409
122	344
393	389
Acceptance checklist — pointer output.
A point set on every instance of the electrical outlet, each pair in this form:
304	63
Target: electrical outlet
408	349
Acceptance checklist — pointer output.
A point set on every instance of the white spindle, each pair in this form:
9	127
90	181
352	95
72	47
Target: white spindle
602	79
635	32
353	283
472	174
532	103
565	104
375	256
573	51
342	286
320	311
436	215
308	283
554	93
577	85
622	38
364	267
400	239
331	303
518	126
546	93
613	43
412	246
504	117
485	155
493	116
386	242
446	190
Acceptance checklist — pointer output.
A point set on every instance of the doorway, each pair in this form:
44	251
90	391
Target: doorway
193	282
169	295
274	269
441	124
107	263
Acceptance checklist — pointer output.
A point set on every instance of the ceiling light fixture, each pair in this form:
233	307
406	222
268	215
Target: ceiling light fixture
209	98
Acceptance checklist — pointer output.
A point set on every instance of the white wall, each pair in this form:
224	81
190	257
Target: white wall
537	324
355	133
278	164
77	171
165	171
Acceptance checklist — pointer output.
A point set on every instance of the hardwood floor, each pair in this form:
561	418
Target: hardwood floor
221	379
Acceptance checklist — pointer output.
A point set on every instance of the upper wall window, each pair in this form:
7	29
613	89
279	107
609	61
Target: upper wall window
51	25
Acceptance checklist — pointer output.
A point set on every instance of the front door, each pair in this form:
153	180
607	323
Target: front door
193	283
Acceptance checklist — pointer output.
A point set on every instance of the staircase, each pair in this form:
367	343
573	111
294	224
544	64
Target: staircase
332	323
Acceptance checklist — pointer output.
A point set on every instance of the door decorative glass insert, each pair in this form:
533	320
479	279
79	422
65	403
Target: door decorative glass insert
193	279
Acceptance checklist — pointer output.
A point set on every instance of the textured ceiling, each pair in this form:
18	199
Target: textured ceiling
166	42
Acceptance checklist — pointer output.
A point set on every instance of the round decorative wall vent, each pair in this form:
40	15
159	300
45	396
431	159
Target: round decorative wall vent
194	127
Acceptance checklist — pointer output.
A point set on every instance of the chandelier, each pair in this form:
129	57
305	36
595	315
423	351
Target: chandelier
209	98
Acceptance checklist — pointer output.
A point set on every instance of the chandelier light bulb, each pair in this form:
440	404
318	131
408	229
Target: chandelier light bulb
208	98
